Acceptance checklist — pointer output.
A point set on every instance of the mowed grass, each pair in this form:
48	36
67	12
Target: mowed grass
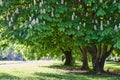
112	66
50	70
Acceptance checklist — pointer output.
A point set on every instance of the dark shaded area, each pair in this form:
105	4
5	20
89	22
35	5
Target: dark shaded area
67	76
64	67
49	76
67	57
71	76
77	70
85	65
104	74
5	76
53	76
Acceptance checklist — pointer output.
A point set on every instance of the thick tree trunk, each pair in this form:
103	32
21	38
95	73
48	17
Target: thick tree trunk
101	65
94	63
99	53
68	58
84	63
84	59
98	65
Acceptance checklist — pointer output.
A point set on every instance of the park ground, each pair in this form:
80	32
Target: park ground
53	70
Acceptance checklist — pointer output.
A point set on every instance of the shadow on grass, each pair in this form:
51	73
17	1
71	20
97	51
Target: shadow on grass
76	69
59	76
64	67
53	76
5	76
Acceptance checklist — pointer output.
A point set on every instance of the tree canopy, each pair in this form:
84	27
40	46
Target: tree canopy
91	24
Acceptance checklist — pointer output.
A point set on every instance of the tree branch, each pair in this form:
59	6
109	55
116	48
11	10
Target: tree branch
105	55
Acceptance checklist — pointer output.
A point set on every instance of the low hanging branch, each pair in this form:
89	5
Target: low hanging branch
105	55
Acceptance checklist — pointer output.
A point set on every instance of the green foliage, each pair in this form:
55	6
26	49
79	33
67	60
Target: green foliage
100	12
55	24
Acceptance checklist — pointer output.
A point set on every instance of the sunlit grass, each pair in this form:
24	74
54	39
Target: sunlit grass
112	66
43	70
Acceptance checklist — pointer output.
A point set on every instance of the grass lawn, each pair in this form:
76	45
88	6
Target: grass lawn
44	70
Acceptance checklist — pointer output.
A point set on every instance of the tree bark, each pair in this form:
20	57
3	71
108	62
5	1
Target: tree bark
98	66
68	58
99	56
84	62
84	58
101	65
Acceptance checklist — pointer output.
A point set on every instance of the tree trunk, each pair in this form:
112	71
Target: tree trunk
95	62
101	65
84	59
84	63
99	55
98	65
68	58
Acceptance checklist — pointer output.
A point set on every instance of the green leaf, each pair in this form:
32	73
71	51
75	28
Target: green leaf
119	6
79	42
68	24
89	1
40	17
101	12
47	17
61	29
70	32
117	44
101	39
95	7
61	24
79	33
88	38
57	15
94	36
104	6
